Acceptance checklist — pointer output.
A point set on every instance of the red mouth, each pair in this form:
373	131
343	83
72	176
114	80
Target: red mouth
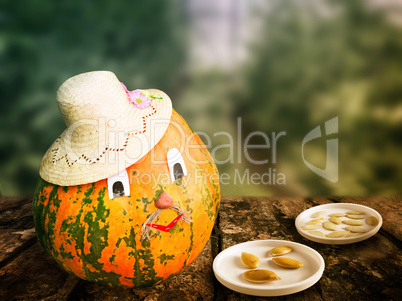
166	228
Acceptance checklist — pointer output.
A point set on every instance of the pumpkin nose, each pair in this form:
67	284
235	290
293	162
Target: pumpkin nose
164	201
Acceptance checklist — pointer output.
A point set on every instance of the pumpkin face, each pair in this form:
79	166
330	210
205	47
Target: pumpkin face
100	239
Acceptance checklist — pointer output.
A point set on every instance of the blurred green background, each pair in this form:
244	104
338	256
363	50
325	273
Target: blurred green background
279	66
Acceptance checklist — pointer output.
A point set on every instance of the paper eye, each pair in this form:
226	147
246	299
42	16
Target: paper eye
118	185
177	167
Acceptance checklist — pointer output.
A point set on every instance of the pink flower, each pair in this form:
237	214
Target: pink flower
140	101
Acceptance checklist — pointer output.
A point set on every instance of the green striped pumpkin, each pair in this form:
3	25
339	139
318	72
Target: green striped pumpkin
99	239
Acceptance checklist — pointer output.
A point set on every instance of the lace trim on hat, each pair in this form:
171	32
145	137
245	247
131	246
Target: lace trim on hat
107	148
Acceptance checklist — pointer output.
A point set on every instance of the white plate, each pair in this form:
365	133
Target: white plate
229	270
305	216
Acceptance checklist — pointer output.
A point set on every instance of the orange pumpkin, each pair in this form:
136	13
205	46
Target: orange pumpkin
108	240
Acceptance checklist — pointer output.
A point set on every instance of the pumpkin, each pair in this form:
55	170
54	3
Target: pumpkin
99	239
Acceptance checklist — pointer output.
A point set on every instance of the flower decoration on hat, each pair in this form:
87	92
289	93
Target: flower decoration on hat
137	98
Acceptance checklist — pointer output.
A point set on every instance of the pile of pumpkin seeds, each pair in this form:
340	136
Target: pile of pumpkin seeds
251	261
353	221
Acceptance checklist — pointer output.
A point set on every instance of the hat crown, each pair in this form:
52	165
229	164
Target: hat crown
90	96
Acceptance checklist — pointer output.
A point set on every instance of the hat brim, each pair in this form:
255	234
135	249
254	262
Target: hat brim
100	148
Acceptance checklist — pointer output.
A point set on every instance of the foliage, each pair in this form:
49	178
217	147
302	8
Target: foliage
42	43
310	67
312	61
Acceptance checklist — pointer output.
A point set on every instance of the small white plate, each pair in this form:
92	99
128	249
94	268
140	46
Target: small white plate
305	216
229	270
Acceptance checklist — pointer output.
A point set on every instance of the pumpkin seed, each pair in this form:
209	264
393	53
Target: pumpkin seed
289	263
315	221
355	216
260	276
372	221
337	234
317	214
337	214
317	233
249	260
280	251
352	222
354	234
355	229
329	226
354	212
310	227
335	220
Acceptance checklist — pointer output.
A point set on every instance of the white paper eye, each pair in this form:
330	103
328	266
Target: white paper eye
118	185
177	167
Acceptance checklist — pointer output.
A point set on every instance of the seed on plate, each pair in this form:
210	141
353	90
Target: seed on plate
354	234
355	216
352	222
260	276
355	229
280	251
337	214
249	260
335	220
286	262
355	212
310	227
372	221
317	233
315	221
329	226
337	234
317	214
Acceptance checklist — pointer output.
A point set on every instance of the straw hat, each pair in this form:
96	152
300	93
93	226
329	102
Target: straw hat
107	130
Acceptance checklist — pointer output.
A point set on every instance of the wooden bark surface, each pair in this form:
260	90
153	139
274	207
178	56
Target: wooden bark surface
368	270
